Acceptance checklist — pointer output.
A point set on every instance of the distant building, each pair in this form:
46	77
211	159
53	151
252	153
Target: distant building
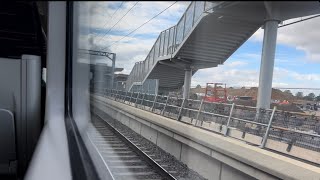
120	81
101	76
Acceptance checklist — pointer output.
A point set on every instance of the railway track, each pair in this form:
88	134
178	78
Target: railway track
123	158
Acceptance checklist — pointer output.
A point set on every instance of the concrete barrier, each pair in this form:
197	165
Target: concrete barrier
210	154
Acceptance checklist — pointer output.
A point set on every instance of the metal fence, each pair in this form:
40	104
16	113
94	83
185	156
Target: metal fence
293	129
297	129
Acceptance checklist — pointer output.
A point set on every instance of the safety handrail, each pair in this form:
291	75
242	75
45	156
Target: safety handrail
265	123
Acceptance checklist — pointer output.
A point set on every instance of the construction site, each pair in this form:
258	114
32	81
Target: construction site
247	96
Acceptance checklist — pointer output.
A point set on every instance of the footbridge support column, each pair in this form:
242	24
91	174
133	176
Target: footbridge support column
267	63
187	82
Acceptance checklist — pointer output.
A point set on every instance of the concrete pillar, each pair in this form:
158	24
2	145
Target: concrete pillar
99	78
267	63
156	87
112	70
187	82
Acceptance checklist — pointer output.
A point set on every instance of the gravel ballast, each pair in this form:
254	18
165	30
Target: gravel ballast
175	167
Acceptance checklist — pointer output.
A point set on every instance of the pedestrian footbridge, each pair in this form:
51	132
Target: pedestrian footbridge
207	34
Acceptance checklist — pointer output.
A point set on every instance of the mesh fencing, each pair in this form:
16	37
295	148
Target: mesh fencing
291	128
250	120
296	129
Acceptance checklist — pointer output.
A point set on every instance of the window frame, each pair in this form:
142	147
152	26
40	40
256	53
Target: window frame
82	166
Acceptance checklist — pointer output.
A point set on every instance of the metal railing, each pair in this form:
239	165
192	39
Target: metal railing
293	129
170	39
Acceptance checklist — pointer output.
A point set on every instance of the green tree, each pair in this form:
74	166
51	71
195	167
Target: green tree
287	91
310	97
318	98
198	86
299	94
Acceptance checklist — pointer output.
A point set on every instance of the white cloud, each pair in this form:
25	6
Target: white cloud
235	63
96	15
239	77
251	55
143	11
128	52
303	36
304	77
225	74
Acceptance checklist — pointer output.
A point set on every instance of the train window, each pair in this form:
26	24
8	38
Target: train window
130	94
100	72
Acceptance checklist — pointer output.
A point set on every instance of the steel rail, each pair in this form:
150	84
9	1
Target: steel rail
165	174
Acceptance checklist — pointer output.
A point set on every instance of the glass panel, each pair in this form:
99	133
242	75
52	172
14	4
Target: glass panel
174	39
151	59
189	20
199	10
151	54
170	40
91	111
179	35
166	40
161	43
156	47
144	69
91	107
140	70
137	72
146	66
134	71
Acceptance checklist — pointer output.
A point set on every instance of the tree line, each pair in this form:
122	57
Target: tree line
300	95
309	97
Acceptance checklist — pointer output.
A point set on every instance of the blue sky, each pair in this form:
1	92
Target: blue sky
297	61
